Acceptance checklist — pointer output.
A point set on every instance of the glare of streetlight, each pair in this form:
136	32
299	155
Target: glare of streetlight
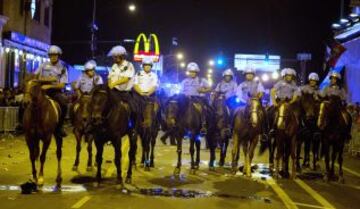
132	7
256	78
209	75
180	56
182	65
275	75
210	70
211	62
265	77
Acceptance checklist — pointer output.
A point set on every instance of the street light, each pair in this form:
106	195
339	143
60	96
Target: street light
180	56
265	77
132	7
210	70
211	62
275	75
182	65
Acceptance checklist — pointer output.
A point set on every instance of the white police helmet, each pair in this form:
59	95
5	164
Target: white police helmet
55	50
249	71
193	67
147	61
90	65
228	72
335	74
117	51
313	76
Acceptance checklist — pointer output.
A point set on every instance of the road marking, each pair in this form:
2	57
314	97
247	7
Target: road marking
314	194
282	194
349	171
81	202
309	205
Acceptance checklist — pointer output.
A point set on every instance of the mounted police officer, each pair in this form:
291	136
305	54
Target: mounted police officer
227	86
88	79
56	74
146	83
121	80
337	91
286	88
312	87
196	88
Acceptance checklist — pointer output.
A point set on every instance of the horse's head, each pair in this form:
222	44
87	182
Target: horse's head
330	110
99	105
324	114
171	112
310	106
32	92
220	105
84	107
254	108
283	114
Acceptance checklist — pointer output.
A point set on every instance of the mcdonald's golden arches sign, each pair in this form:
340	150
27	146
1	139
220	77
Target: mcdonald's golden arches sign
150	47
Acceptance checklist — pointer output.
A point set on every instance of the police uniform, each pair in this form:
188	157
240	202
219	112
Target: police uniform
122	93
86	84
334	90
248	89
190	86
227	88
59	72
285	90
314	90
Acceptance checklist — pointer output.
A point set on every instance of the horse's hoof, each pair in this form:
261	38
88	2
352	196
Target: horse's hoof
57	188
89	168
326	178
40	181
75	168
177	171
341	180
120	186
211	168
152	164
192	171
96	184
128	180
147	168
196	167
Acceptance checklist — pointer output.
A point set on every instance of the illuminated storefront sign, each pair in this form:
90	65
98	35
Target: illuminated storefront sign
151	47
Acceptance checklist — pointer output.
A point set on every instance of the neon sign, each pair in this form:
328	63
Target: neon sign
149	50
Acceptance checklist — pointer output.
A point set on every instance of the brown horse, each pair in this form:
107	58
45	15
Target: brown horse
333	122
80	121
246	132
308	131
148	131
222	130
40	122
110	122
287	123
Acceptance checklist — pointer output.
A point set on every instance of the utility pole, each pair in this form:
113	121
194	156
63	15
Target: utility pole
93	29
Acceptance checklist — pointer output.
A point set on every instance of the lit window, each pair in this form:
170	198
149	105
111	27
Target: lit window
33	8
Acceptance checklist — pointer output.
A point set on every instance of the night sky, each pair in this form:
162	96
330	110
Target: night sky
204	28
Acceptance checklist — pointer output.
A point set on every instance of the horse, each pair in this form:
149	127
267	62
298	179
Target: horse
184	115
308	131
80	121
247	129
286	123
40	122
222	129
110	122
333	122
148	131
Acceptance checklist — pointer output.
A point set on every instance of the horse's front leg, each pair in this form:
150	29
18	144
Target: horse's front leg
99	158
45	147
198	146
192	153
293	157
298	154
89	140
118	154
152	150
235	152
253	145
327	159
340	161
78	137
212	144
179	140
59	143
32	154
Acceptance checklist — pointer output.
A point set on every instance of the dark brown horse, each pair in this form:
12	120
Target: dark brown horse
80	121
182	114
246	132
333	122
110	122
40	122
308	132
148	131
222	127
287	123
